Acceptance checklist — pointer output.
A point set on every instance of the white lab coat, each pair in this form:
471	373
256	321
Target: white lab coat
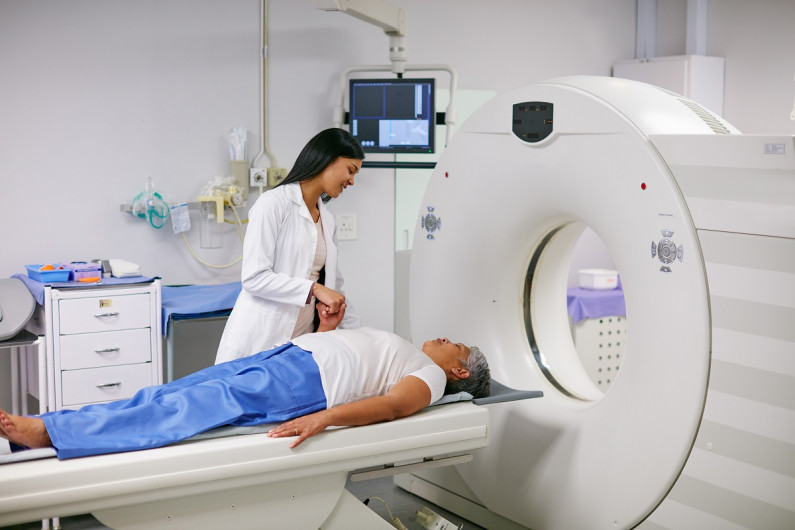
278	251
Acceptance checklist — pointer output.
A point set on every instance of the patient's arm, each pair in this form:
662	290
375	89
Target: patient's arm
405	398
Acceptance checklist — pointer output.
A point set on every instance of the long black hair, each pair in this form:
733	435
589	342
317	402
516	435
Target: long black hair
321	151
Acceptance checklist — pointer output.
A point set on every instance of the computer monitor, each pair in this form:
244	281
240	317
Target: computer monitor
393	115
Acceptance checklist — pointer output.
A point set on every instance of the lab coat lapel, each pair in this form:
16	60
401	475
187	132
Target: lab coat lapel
329	228
298	199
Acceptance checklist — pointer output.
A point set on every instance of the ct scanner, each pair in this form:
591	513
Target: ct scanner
698	429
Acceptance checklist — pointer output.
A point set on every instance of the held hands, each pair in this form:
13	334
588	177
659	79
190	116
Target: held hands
331	298
329	320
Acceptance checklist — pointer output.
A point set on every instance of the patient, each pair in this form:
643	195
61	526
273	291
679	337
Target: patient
339	377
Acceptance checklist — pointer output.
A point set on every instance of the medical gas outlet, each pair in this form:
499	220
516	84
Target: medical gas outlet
276	175
258	176
270	177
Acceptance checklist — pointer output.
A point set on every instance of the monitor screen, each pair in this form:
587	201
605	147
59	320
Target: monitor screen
393	115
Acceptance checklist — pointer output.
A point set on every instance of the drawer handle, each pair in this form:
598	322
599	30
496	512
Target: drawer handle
109	385
103	315
107	350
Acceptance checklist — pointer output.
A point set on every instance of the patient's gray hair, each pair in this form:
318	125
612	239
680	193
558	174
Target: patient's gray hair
479	381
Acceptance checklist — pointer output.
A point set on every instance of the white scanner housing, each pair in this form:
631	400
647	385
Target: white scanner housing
698	428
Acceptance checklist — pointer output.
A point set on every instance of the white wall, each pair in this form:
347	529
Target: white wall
757	39
97	95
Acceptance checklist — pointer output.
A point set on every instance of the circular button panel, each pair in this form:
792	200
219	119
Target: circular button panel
666	250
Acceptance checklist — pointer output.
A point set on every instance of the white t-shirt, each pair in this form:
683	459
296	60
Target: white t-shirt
364	362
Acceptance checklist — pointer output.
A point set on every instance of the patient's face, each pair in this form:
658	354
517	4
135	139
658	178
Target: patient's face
444	349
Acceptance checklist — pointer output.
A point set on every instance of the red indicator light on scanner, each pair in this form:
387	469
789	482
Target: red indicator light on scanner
643	185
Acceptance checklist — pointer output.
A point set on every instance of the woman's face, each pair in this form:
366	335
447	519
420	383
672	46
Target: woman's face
339	175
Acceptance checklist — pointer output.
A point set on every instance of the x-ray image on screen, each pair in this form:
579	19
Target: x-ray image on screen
393	115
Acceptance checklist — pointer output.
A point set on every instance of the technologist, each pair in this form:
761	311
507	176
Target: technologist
290	251
334	377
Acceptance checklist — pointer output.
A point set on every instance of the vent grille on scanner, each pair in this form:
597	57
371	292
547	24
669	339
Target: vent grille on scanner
706	116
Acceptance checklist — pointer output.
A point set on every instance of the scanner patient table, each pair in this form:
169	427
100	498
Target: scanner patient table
248	480
239	481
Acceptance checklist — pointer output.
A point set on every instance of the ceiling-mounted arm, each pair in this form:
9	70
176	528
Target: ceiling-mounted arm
379	13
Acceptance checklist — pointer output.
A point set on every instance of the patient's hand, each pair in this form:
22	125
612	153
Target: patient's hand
302	427
330	297
329	320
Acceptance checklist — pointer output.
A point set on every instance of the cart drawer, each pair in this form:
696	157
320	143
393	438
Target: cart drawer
104	384
104	313
109	348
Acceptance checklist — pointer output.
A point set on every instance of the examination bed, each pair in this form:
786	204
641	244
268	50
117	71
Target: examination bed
221	479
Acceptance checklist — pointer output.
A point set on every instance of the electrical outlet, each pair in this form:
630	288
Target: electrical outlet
346	227
258	176
276	175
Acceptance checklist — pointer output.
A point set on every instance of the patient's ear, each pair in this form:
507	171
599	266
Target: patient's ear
458	373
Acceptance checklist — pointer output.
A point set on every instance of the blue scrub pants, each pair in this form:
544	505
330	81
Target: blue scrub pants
270	386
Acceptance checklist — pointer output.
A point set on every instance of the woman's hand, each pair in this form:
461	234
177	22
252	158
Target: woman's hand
329	320
302	427
330	297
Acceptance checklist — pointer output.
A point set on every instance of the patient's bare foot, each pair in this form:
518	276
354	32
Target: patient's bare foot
23	430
